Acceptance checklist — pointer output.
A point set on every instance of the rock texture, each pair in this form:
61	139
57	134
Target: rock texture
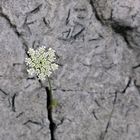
97	84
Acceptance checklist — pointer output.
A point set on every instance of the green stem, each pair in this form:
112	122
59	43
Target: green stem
50	91
50	87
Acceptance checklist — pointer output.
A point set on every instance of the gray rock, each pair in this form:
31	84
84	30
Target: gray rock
97	84
123	16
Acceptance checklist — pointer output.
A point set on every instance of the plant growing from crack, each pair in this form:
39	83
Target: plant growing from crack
41	64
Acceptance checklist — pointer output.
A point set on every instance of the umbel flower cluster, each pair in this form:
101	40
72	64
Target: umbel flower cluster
41	63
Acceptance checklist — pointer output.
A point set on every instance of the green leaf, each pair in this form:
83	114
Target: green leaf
54	103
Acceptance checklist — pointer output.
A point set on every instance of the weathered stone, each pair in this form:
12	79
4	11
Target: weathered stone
123	15
97	84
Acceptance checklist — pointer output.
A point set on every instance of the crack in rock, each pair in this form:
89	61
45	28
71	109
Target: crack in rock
13	26
49	109
33	122
103	134
35	10
5	93
127	85
121	30
13	102
91	2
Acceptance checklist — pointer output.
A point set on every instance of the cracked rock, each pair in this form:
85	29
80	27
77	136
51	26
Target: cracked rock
122	14
97	85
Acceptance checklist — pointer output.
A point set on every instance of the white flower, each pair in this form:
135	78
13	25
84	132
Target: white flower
31	71
51	54
54	66
40	62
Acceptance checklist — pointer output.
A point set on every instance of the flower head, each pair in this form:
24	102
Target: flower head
40	62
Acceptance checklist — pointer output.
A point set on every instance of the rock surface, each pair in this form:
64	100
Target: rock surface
97	84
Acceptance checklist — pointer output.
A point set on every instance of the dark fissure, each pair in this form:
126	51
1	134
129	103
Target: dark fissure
49	109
